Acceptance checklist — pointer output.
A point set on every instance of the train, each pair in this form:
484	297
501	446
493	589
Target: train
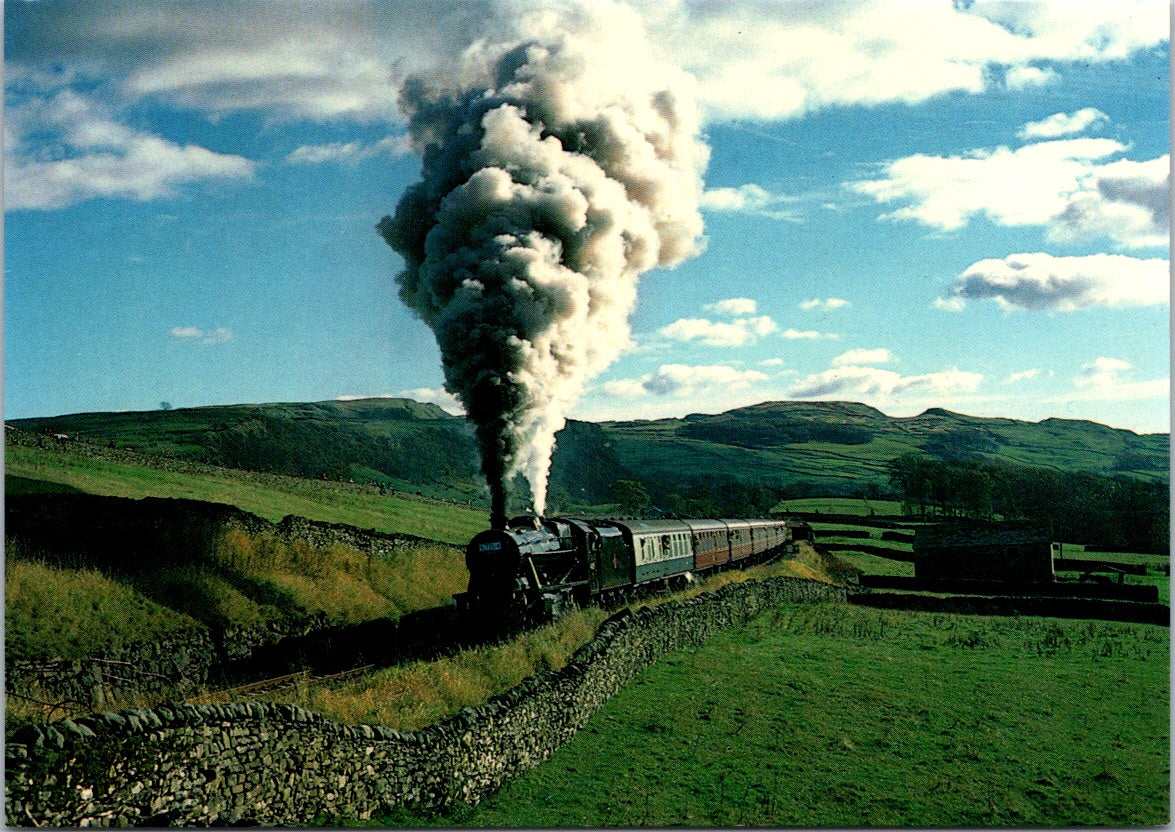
531	569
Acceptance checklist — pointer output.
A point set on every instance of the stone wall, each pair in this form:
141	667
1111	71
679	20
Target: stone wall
87	530
279	764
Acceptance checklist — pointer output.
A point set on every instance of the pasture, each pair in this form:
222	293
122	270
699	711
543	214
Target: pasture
848	716
270	496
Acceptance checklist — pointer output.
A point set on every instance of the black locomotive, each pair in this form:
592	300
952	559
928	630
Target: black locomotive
533	569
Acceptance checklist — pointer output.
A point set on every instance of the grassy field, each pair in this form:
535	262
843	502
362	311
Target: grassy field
272	497
808	717
840	505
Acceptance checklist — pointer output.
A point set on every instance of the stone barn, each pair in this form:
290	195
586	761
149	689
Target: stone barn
983	554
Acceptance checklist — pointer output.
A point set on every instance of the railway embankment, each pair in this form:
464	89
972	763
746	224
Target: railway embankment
281	765
117	533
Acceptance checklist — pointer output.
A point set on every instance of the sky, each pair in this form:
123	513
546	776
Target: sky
907	203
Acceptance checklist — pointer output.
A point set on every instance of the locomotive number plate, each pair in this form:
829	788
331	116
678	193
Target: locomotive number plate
489	547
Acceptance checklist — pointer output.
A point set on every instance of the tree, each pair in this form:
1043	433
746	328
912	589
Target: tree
165	405
632	496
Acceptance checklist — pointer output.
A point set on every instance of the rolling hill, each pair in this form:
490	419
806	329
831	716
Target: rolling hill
805	447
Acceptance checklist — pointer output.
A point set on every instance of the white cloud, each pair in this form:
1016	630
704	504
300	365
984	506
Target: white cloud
682	381
876	383
750	199
219	335
1125	201
348	152
781	60
756	59
1023	375
1062	185
772	362
1103	378
733	306
1064	284
1063	124
737	333
67	148
1023	77
826	304
809	335
950	304
863	356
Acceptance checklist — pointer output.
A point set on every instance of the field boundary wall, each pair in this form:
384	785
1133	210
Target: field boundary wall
276	764
1138	612
186	660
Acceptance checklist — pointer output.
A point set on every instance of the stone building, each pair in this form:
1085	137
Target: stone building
983	554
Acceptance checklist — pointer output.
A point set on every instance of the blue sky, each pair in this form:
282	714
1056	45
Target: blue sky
909	204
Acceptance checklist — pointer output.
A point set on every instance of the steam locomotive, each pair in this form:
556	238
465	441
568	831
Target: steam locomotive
531	569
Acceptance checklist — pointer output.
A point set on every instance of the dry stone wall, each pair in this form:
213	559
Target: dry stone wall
281	765
107	528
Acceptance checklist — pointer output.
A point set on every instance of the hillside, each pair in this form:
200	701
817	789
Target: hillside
840	447
805	447
371	440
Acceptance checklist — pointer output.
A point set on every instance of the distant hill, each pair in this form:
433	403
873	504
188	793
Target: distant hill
840	447
406	444
806	447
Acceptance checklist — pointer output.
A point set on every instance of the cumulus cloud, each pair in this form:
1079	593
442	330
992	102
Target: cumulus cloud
1063	185
1106	378
683	380
734	306
736	333
751	199
1036	281
809	335
825	304
1125	201
1023	375
873	382
1023	77
863	356
1063	124
781	60
219	335
67	148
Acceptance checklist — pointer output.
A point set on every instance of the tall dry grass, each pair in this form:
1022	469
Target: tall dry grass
411	696
65	613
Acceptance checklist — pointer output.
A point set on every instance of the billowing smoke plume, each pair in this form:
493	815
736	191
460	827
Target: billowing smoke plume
564	164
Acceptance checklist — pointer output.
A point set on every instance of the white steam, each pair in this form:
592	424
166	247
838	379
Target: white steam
563	164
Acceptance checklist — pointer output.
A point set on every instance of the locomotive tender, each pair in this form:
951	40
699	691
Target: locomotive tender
533	569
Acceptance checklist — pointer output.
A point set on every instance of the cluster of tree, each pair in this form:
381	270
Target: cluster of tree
1116	512
707	497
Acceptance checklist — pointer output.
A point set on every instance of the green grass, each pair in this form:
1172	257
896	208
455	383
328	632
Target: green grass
272	497
840	505
875	565
827	715
69	612
244	580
